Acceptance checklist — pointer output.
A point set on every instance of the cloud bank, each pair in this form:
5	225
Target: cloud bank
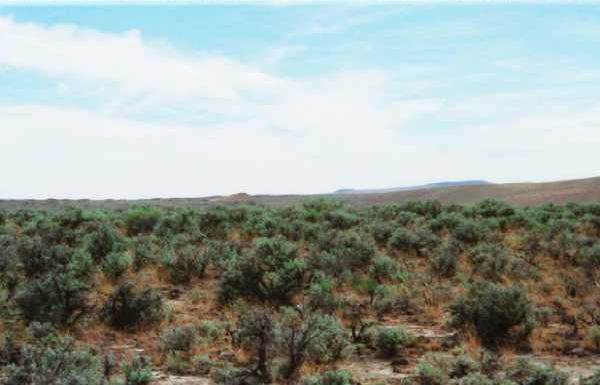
159	122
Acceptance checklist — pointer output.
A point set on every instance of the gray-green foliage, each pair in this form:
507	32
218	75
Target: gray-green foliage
391	341
179	339
130	307
271	272
309	337
51	360
138	371
184	263
57	280
495	312
332	377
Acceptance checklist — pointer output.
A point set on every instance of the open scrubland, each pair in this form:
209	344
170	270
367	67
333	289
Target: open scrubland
317	292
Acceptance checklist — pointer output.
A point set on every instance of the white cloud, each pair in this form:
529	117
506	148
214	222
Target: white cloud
256	132
271	134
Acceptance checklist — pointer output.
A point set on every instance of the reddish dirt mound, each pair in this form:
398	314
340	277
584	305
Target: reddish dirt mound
237	198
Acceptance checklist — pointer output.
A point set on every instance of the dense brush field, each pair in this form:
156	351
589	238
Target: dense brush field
315	293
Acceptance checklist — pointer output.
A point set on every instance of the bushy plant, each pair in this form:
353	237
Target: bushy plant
210	330
491	261
214	223
141	219
270	272
145	251
381	231
467	232
115	265
320	295
333	377
137	371
179	339
421	241
52	360
57	282
185	263
349	250
443	262
494	311
525	372
257	336
391	341
402	240
384	268
129	307
100	239
341	219
307	336
589	258
428	375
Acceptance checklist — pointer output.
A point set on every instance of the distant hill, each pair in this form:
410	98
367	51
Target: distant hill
466	192
410	188
519	194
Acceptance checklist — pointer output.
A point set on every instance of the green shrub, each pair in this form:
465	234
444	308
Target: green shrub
467	232
443	262
491	261
128	307
214	223
341	219
589	258
381	231
181	221
221	254
145	251
185	263
179	339
141	219
350	250
257	335
270	272
524	372
115	265
421	241
178	365
429	375
478	379
391	341
402	240
49	359
384	268
493	311
333	346
138	371
57	282
333	377
100	239
320	295
491	208
308	336
210	330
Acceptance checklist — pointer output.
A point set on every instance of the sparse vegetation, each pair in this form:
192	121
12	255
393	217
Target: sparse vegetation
260	295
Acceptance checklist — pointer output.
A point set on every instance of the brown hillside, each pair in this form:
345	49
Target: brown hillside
521	194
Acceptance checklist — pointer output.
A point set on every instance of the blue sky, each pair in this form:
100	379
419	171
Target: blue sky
133	101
